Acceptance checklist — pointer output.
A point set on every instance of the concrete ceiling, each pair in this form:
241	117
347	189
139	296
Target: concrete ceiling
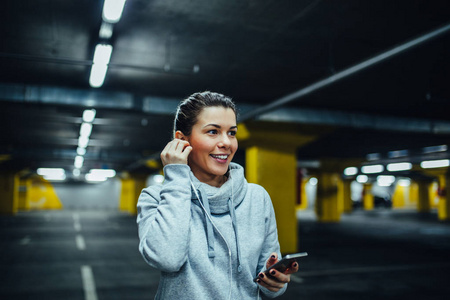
257	52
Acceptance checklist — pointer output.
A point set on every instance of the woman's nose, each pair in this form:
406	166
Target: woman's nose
225	141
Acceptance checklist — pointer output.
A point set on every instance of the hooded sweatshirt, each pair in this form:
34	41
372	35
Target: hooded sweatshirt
208	242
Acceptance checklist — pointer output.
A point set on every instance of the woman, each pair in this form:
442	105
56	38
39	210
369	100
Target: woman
208	230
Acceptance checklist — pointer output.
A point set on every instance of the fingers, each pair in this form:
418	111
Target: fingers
176	152
275	281
272	259
292	269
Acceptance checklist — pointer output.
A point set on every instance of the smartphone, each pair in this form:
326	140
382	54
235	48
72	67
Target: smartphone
285	262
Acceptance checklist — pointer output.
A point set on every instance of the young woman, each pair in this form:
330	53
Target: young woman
207	230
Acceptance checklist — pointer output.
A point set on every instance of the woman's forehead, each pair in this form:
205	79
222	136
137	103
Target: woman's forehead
217	114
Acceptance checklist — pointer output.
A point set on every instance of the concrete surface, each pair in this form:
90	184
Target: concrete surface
92	255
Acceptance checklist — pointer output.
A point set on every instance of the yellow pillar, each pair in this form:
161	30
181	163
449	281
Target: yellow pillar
444	198
368	203
275	170
327	206
398	198
423	203
271	162
42	195
303	196
345	197
130	191
24	195
9	193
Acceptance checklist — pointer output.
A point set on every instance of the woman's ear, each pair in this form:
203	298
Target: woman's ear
179	135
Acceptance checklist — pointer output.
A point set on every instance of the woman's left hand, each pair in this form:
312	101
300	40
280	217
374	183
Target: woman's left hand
276	280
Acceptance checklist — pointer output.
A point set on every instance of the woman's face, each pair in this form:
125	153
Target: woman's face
214	143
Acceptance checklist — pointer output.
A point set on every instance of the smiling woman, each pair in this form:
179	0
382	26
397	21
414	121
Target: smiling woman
208	230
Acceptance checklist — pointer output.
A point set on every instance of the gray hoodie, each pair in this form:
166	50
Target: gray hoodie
208	242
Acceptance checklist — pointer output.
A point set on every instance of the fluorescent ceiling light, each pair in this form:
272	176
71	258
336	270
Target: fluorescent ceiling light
55	177
51	171
76	172
385	180
98	74
79	160
398	153
106	31
428	164
81	151
403	166
372	169
112	10
350	171
85	129
102	54
95	178
83	141
373	156
404	182
103	172
362	178
89	115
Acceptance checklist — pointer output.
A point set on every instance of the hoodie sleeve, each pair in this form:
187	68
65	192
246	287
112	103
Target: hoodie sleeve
271	244
163	220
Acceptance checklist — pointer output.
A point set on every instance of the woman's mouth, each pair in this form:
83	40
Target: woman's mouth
221	158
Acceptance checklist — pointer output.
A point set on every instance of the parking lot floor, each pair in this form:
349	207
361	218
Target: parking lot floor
93	255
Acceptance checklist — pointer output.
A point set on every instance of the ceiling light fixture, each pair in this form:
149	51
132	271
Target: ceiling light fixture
350	171
89	115
428	164
79	160
403	166
112	10
85	129
102	56
372	169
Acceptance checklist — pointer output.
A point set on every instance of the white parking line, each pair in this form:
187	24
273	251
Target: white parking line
90	292
81	245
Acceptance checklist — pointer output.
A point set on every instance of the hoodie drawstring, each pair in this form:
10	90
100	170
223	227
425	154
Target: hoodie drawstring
233	220
209	227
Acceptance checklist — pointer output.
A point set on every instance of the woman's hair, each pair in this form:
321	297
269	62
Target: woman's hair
189	109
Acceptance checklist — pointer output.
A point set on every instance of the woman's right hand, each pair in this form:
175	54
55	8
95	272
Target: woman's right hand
176	152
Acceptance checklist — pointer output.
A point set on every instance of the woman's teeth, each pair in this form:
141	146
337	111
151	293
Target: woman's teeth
220	156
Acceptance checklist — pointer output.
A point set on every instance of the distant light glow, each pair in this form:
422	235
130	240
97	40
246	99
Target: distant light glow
89	115
398	153
385	180
85	129
106	31
373	156
51	171
372	169
55	177
362	178
158	178
103	172
83	141
76	172
404	182
95	178
403	166
79	160
428	164
81	151
350	171
313	181
112	10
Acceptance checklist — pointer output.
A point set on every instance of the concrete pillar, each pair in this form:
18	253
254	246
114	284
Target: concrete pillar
398	197
345	196
423	203
272	163
9	193
444	198
131	188
275	170
368	201
327	205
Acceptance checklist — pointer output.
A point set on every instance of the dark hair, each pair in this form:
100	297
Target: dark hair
189	109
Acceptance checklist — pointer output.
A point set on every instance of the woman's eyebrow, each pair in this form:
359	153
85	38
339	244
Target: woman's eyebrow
218	126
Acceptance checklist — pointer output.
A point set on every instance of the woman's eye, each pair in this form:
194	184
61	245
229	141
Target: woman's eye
232	133
212	131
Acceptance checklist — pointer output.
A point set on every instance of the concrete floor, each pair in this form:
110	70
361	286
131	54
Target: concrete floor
91	255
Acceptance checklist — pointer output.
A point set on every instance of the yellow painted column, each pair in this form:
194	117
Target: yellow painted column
276	171
345	196
444	198
303	195
368	203
130	190
42	195
9	193
398	198
327	205
423	203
